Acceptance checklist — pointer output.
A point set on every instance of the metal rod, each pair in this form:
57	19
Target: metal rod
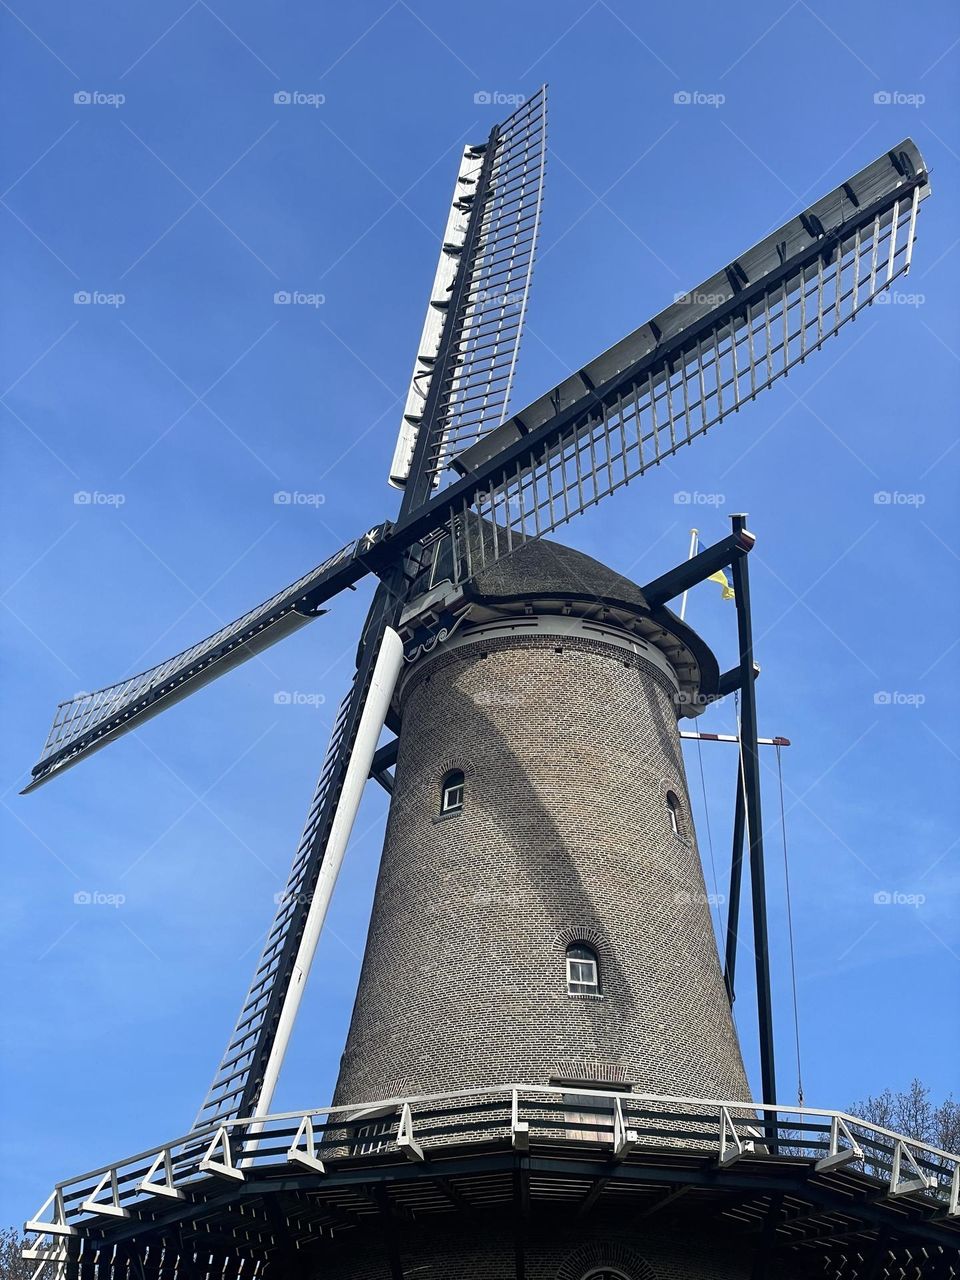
732	737
894	229
750	758
911	231
683	576
683	600
736	880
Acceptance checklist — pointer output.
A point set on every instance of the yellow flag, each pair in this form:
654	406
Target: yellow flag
721	579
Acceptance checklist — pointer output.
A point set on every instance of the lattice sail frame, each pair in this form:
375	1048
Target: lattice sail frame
657	390
226	1090
500	188
88	721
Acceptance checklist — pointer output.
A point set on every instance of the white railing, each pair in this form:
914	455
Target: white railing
612	1124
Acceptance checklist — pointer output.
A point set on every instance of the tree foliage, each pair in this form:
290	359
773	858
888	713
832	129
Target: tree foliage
12	1266
910	1112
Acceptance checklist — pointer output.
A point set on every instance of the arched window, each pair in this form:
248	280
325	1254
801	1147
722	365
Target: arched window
451	792
605	1273
673	812
583	970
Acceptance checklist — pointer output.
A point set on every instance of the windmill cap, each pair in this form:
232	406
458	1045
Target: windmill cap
544	577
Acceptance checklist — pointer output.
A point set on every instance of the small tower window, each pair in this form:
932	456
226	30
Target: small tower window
583	970
451	792
673	812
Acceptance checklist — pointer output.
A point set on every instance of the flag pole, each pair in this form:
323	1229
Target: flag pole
694	533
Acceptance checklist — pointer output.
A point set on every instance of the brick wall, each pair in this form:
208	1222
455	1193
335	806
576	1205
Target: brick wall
564	834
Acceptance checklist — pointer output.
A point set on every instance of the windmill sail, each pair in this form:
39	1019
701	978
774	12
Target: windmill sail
471	346
658	389
89	721
244	1081
683	372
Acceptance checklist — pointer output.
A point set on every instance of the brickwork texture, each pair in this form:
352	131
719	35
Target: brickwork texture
568	751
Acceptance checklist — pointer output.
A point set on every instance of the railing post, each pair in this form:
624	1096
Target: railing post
223	1167
406	1141
305	1155
519	1129
731	1148
838	1155
624	1139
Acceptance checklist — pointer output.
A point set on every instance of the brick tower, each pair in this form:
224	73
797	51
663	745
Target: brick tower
540	914
557	703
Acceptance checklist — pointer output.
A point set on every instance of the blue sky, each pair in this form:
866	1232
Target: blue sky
189	404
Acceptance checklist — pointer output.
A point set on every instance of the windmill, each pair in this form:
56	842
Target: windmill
480	486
